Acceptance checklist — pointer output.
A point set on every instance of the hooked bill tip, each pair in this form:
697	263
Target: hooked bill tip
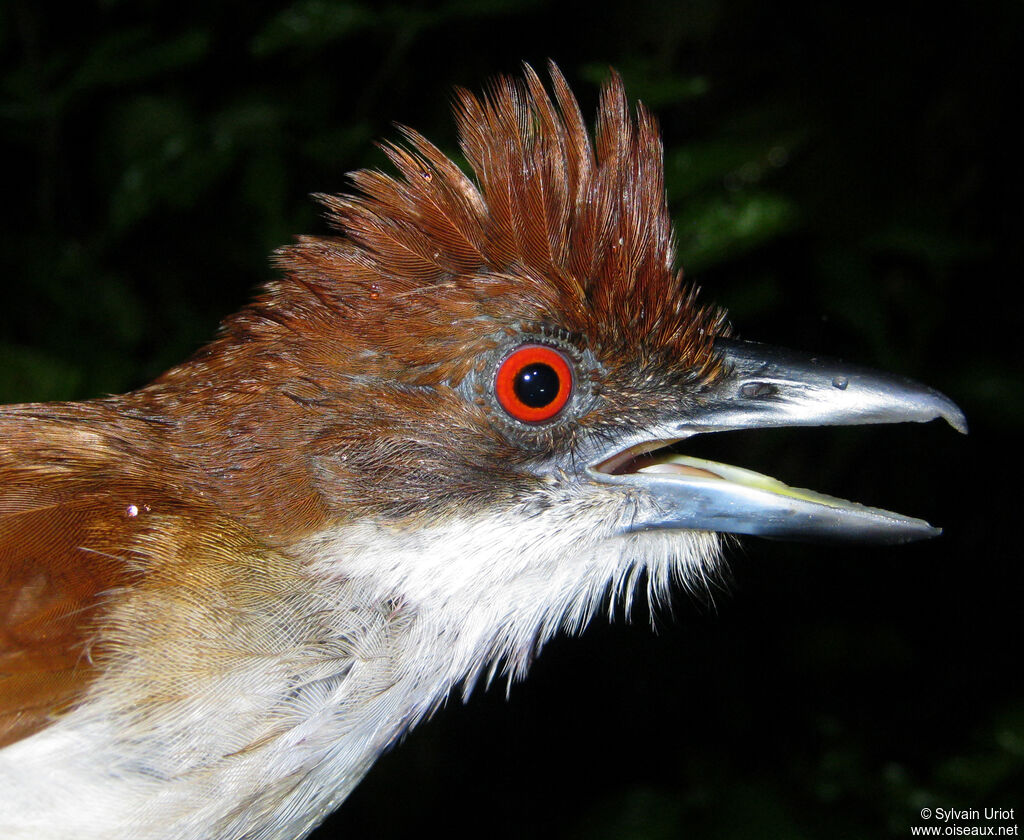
954	416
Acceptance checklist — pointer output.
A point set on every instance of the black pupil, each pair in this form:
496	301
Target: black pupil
536	385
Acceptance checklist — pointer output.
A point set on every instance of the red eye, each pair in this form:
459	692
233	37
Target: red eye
534	383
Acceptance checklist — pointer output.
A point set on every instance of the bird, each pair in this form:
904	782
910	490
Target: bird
447	431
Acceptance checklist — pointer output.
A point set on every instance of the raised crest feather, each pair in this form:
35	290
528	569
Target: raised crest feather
552	226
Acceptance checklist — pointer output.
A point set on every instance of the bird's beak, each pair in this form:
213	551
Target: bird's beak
769	387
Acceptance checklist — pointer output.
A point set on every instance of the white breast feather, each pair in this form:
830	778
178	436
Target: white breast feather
376	634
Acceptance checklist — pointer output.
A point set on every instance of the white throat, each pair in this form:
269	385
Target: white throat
375	633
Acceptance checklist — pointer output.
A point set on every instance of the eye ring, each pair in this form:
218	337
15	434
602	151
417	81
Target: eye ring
534	383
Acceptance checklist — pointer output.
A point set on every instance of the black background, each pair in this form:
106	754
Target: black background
845	178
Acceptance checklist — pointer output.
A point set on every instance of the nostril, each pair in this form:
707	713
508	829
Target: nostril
758	390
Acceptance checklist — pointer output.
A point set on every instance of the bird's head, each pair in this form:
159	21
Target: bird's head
478	390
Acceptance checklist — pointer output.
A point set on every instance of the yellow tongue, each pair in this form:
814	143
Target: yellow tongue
685	466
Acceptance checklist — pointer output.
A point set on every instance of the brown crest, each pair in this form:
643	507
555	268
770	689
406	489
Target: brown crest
553	228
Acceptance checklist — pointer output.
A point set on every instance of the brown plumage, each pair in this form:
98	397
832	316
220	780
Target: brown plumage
252	575
430	270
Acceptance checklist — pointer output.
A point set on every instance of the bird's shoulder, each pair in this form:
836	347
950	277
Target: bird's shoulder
68	509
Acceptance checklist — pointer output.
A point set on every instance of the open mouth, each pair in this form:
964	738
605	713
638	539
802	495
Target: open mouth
768	387
660	458
689	493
